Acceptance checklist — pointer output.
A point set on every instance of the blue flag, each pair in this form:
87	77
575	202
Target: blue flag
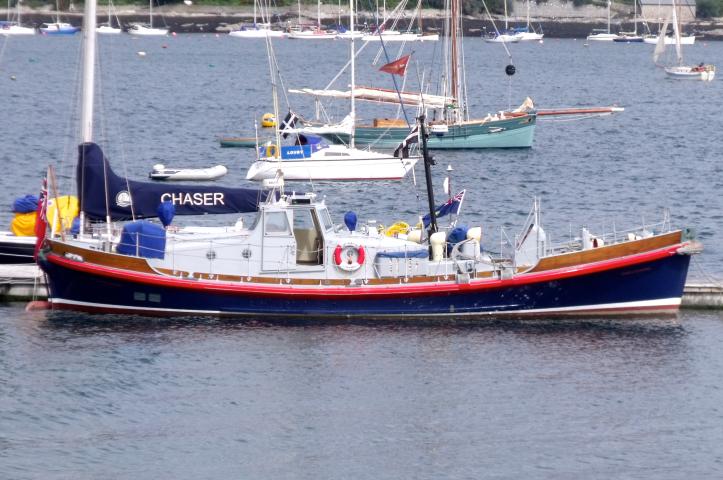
450	206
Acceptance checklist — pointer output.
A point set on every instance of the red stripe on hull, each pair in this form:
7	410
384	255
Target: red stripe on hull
431	288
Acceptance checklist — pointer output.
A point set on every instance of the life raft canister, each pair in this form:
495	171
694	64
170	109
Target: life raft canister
349	257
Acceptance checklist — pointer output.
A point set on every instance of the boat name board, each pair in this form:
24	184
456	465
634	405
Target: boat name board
205	199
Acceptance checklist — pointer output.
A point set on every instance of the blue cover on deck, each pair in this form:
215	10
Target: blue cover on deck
26	204
145	197
142	239
403	254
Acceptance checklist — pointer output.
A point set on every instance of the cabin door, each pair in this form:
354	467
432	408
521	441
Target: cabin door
279	248
309	240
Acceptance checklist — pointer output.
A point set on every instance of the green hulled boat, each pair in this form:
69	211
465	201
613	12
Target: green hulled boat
515	132
241	142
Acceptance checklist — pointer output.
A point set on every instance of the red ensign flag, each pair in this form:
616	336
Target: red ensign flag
397	67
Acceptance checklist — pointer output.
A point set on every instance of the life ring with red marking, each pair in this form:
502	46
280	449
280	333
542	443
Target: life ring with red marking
349	257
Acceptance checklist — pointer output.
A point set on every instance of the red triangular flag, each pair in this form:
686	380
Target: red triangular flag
397	67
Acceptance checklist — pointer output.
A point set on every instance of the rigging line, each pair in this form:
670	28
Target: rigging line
494	25
347	65
705	273
394	79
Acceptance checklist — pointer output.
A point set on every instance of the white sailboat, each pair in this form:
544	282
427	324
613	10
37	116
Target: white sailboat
316	33
598	35
505	36
315	160
258	29
669	39
631	37
15	27
391	34
702	71
147	30
528	33
108	28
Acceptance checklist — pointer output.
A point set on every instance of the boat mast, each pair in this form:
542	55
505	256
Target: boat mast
87	88
353	73
428	162
151	14
88	80
454	64
635	17
676	33
609	5
318	15
506	22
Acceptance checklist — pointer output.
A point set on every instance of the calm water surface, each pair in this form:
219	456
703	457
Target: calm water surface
100	397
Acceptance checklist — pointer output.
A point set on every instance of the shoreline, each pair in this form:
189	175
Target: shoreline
555	21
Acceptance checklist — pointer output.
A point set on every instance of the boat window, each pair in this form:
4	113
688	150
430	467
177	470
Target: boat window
275	223
303	220
326	219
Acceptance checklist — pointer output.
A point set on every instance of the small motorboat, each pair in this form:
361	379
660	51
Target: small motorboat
160	172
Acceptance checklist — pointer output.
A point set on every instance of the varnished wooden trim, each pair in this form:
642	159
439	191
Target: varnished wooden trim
608	252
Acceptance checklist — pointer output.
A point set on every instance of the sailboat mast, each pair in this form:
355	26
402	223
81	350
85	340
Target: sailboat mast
506	22
453	48
635	16
676	32
318	15
151	12
88	79
609	5
353	73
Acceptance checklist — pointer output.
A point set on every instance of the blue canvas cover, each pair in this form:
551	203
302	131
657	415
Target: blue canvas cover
142	239
145	196
26	204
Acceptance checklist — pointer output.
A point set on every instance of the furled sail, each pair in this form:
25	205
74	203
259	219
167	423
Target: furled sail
103	193
382	95
660	45
676	33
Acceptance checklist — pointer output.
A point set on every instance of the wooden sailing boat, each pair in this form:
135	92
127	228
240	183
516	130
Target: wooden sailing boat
702	71
451	126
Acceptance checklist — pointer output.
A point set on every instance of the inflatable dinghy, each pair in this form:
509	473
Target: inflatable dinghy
160	172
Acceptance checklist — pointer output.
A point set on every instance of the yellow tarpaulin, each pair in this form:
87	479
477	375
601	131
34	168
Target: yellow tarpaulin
64	210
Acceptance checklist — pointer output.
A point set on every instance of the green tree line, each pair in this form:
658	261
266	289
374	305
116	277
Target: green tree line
705	8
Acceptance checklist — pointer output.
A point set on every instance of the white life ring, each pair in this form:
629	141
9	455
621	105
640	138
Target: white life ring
349	257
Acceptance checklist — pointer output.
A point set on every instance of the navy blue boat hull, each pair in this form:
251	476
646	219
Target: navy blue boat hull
654	286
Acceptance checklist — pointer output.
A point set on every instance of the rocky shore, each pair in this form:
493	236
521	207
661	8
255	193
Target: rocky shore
556	19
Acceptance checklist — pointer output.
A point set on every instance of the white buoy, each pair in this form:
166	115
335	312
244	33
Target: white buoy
188	2
141	54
